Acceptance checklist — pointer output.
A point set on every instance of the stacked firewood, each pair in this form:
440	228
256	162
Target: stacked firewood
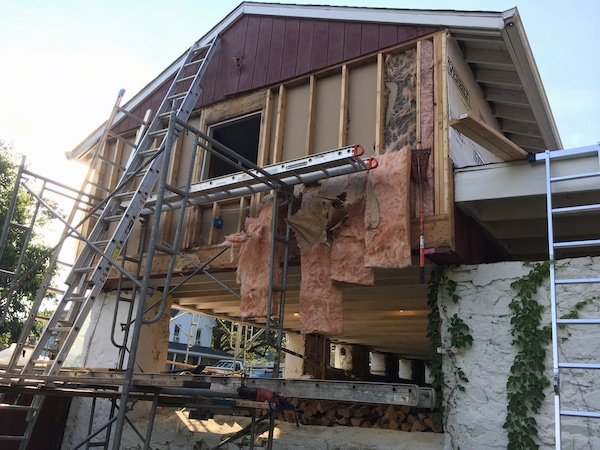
330	413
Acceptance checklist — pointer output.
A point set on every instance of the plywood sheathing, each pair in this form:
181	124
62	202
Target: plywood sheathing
320	298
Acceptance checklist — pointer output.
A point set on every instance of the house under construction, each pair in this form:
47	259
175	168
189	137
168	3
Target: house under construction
302	170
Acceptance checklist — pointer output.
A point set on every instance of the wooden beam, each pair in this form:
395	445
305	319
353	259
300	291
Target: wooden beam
343	128
380	104
506	97
490	139
310	124
280	121
418	95
496	58
439	92
498	78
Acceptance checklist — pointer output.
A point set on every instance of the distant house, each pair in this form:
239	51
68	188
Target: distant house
190	337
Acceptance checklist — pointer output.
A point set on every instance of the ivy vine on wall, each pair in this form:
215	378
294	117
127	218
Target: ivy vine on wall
526	383
459	338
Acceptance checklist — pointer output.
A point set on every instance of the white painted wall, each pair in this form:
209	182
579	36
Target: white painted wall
477	415
184	321
98	352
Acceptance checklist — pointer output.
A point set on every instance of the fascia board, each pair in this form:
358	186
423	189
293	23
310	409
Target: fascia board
459	19
517	44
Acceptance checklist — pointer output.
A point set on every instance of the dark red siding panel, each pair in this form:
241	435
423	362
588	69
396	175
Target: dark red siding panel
262	52
320	45
352	39
422	31
276	53
290	48
406	33
335	46
229	52
388	35
249	58
305	46
370	38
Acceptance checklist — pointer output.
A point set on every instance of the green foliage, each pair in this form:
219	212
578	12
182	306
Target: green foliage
527	382
460	338
223	338
37	251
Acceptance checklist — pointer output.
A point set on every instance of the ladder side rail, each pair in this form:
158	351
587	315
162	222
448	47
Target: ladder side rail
11	208
145	187
553	307
144	290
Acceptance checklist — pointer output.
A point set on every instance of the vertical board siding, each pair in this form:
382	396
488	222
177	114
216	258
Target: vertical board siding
249	57
290	48
275	49
262	52
320	44
305	47
335	46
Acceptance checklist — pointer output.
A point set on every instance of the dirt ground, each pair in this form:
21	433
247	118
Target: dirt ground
174	431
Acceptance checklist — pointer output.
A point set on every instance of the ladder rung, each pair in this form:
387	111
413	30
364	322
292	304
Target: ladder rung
122	139
570	412
572	365
577	280
88	269
42	318
42	362
102	243
17	407
7	273
161	132
572	209
191	77
195	61
19	226
281	239
177	96
55	291
578	321
575	176
277	288
572	244
60	329
4	437
148	153
75	298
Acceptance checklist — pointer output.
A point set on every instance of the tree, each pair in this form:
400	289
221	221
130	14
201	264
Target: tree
37	251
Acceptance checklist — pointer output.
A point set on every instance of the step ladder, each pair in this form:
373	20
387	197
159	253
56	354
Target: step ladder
100	252
553	182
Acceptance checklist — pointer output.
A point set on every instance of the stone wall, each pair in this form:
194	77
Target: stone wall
475	417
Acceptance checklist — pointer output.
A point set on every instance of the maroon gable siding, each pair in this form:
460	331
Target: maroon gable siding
257	51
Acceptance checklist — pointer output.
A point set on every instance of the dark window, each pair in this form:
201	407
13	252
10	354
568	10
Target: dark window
240	135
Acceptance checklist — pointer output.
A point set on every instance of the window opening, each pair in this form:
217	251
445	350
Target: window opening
240	135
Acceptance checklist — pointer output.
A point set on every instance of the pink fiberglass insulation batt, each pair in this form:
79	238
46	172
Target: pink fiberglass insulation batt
254	265
321	309
348	241
387	238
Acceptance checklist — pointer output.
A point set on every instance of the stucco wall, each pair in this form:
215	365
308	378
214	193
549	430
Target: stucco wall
475	417
98	352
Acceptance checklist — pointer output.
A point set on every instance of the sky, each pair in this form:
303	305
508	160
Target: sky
62	62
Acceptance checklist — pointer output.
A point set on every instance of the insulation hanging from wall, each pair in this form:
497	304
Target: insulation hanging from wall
348	240
321	309
254	263
387	214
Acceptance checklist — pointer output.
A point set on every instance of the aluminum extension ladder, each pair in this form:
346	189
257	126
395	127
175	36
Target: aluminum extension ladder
99	253
552	182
